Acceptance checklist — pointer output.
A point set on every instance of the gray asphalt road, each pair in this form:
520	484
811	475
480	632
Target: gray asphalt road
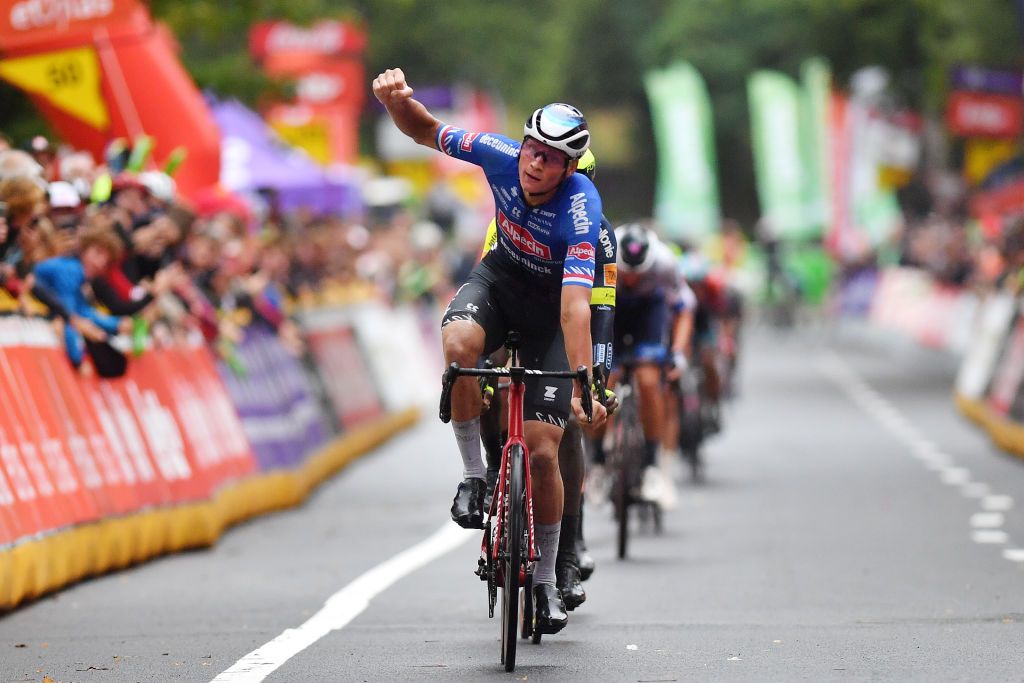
827	545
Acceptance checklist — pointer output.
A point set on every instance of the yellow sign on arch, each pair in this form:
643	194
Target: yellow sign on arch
68	79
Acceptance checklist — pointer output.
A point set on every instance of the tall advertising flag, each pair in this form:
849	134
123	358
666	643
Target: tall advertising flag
686	201
816	79
775	120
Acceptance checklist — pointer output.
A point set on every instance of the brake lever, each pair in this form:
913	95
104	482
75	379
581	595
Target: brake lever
447	383
586	398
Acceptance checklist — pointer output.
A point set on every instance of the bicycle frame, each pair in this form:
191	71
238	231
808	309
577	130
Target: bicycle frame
516	436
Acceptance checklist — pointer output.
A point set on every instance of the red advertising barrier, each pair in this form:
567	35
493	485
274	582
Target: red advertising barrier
76	449
347	378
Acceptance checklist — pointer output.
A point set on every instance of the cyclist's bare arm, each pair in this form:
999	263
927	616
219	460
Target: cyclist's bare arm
682	331
575	320
409	115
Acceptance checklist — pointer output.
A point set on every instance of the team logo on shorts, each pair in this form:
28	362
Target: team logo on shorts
611	274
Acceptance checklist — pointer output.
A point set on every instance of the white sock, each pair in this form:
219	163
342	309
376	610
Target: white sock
547	544
467	434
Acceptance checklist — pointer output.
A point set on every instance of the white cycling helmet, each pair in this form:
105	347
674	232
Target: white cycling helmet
637	248
561	126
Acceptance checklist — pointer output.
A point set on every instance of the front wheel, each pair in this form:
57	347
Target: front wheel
512	555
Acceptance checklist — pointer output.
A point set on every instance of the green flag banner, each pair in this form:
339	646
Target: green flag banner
686	202
816	78
778	163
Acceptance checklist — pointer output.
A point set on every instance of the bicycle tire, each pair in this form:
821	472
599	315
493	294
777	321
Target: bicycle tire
628	450
515	512
527	626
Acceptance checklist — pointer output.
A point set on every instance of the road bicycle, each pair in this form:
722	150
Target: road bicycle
508	550
626	461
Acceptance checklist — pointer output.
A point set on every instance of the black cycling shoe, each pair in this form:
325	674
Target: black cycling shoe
584	560
467	507
550	610
570	585
492	485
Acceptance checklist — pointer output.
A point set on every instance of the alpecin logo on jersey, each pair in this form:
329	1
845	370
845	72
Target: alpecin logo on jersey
522	238
584	251
467	142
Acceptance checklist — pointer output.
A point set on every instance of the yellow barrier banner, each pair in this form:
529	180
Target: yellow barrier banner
68	79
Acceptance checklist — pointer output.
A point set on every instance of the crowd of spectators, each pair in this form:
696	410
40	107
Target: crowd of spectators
119	261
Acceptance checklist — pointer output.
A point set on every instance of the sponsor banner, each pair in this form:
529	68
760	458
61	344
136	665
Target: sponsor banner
346	378
389	338
328	38
995	318
982	79
686	202
971	114
276	402
816	90
1007	381
775	113
67	79
911	302
27	22
857	293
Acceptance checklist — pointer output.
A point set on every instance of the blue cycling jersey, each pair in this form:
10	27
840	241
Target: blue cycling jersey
556	243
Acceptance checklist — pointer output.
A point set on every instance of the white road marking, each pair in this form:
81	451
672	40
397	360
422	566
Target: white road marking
976	490
985	524
344	606
989	537
987	520
1014	554
956	476
997	503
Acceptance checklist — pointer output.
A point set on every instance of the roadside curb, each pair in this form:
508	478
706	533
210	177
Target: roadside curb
48	563
1004	433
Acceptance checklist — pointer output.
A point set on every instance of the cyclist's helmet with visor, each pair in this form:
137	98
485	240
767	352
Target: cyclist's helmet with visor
635	253
561	126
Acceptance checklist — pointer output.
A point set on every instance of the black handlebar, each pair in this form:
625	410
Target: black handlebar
518	375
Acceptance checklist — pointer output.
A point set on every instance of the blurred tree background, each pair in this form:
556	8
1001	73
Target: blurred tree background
593	53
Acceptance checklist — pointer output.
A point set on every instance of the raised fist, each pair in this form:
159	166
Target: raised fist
390	87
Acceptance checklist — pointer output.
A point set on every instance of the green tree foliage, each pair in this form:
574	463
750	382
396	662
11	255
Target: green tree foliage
594	52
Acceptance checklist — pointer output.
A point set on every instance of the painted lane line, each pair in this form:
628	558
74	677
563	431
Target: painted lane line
987	520
985	524
976	490
1014	554
344	606
955	476
997	503
989	537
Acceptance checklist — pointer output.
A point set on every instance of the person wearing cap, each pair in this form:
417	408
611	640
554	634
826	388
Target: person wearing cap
536	281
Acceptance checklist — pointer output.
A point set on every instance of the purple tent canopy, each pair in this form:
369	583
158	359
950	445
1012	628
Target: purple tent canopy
253	158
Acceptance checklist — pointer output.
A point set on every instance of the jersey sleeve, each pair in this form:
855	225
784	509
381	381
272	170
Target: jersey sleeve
489	151
582	228
606	270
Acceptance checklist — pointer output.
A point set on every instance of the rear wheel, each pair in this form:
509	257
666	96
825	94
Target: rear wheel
512	557
628	452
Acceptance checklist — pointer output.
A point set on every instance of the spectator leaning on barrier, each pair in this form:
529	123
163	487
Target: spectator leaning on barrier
66	277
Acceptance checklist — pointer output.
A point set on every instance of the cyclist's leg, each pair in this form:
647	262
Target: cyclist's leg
469	329
546	411
570	464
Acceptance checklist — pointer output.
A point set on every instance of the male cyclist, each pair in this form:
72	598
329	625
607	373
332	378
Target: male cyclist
709	289
572	556
651	297
536	281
